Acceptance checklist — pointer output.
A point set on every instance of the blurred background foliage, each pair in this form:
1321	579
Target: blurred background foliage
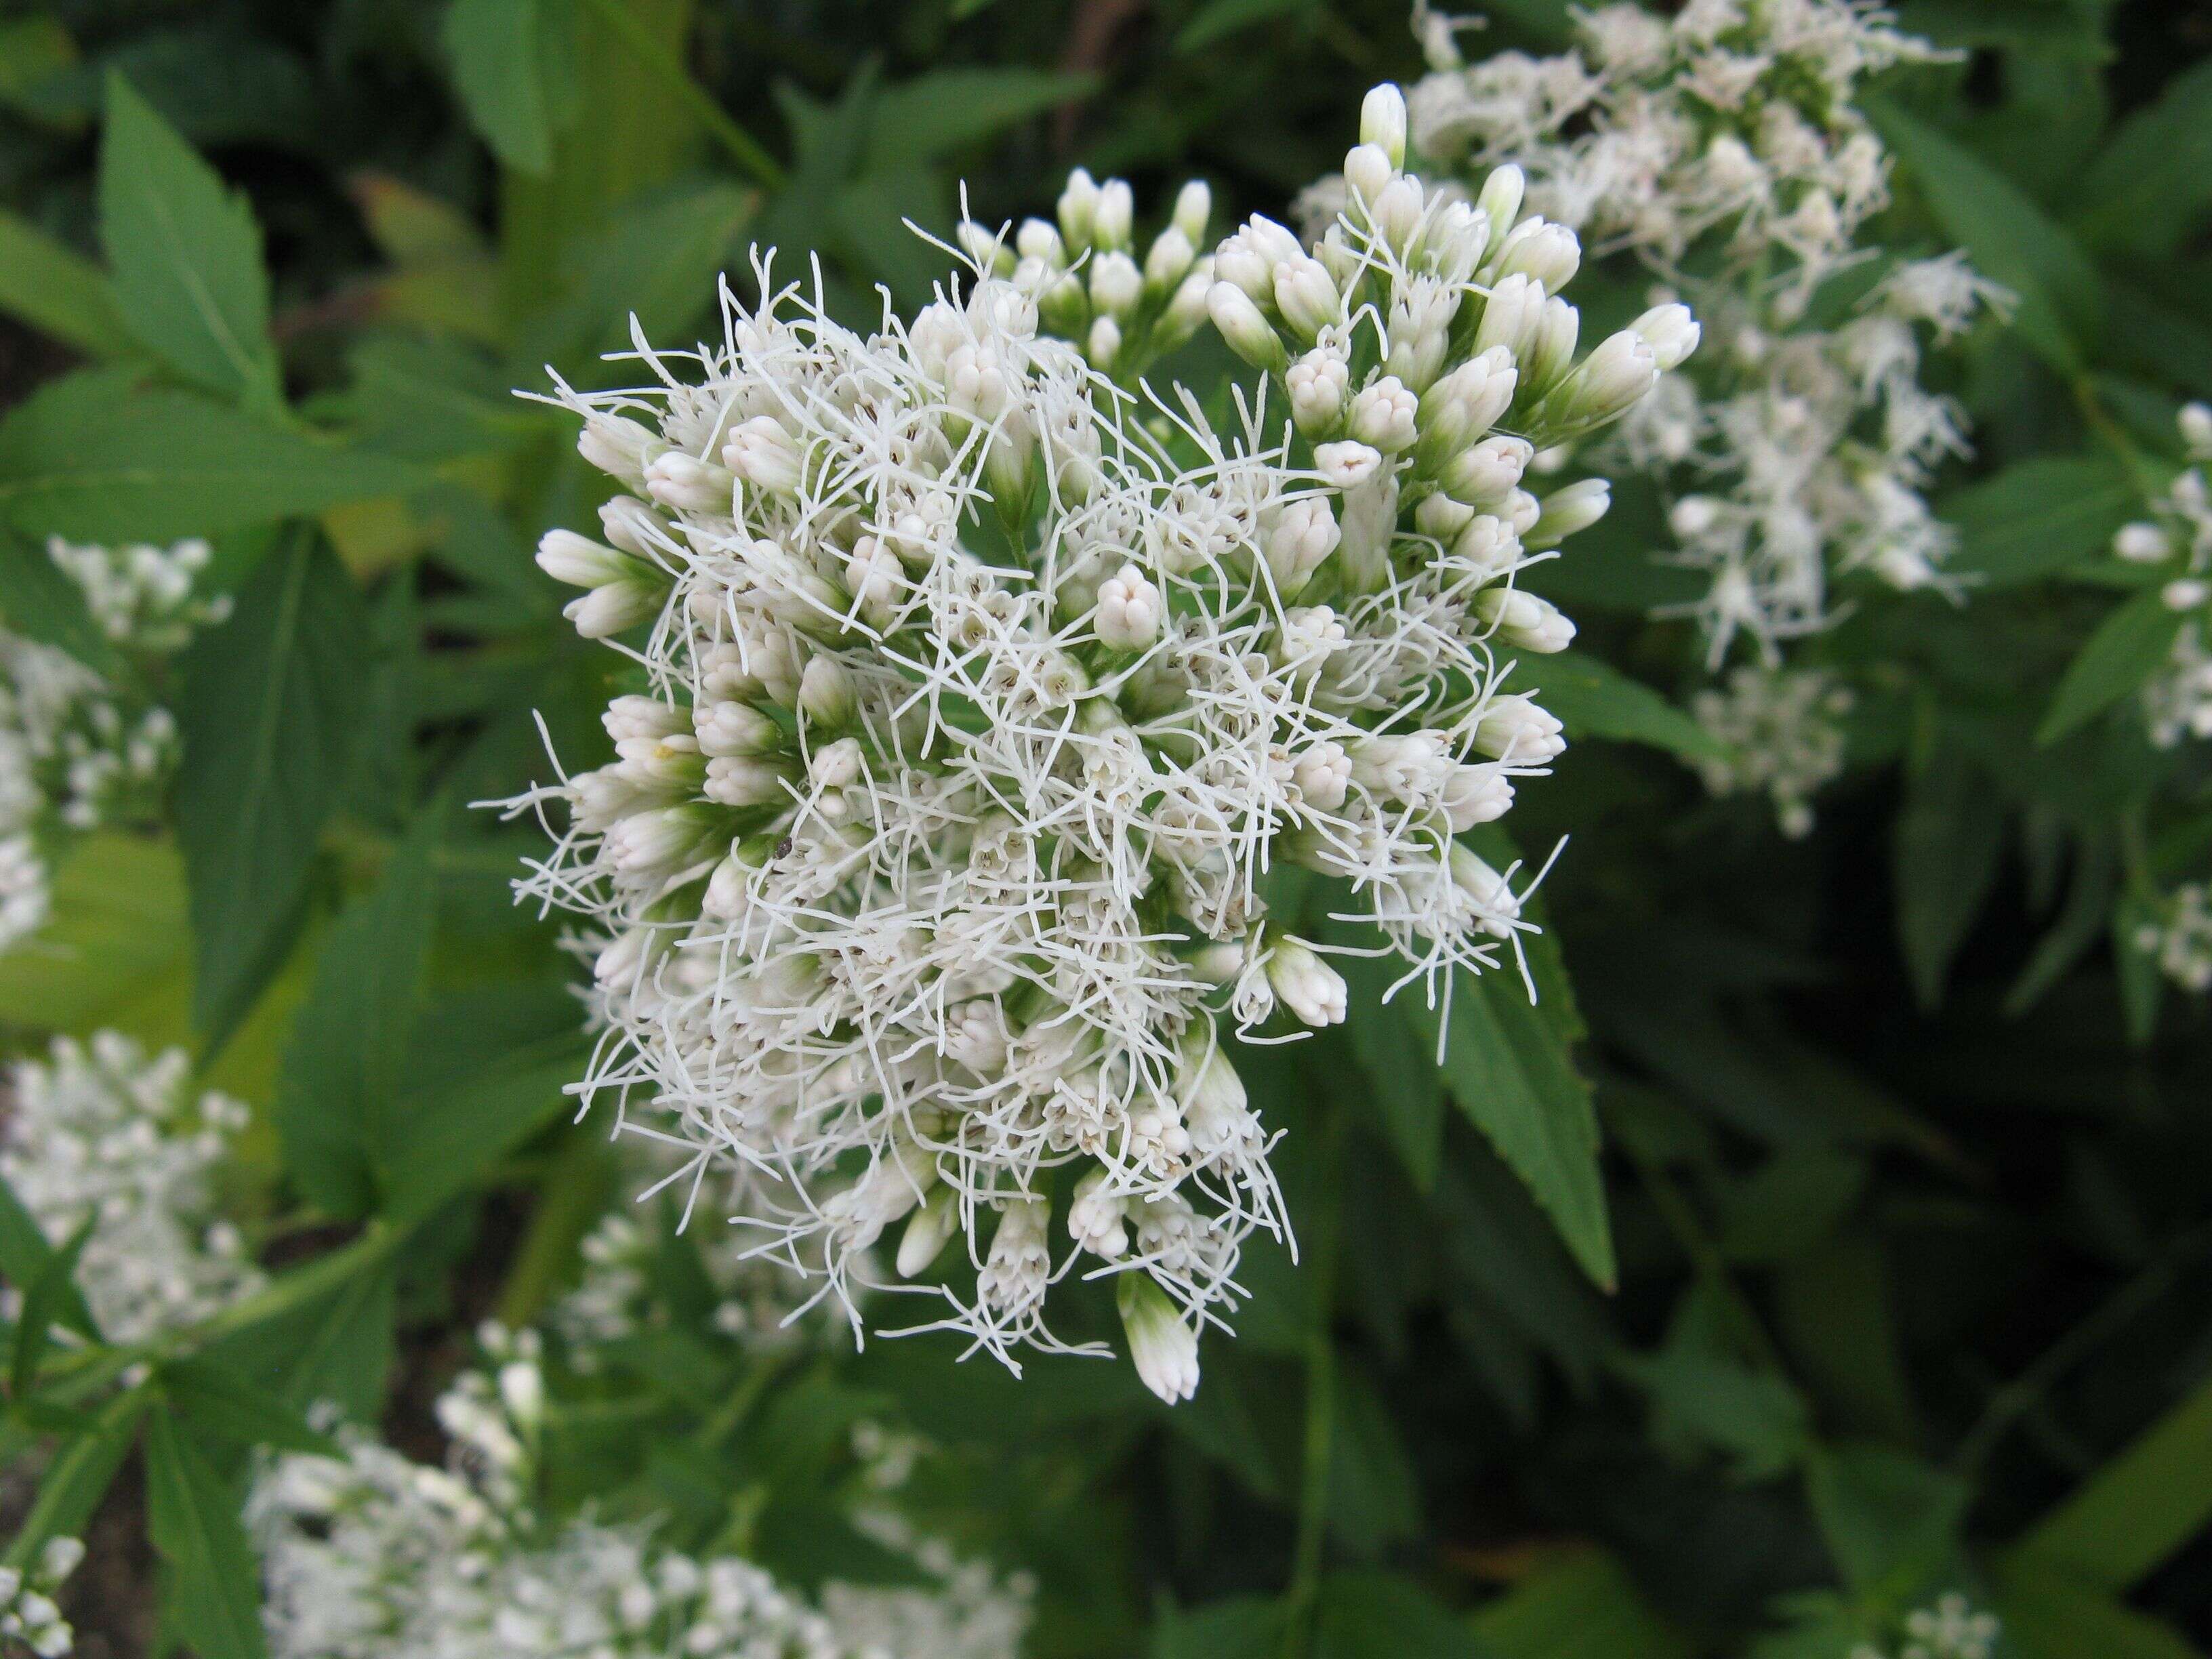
1908	1168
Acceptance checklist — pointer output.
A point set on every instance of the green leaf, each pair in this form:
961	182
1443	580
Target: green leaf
337	1346
78	1478
114	943
1949	839
2129	647
2038	516
1593	699
217	1400
1374	1497
1220	18
1702	1400
212	1587
2059	300
2151	184
1407	1092
446	1134
2048	1615
97	457
266	715
1792	1203
51	1295
2142	984
59	291
1245	1627
186	255
1578	1604
931	114
39	600
498	51
335	1101
1382	1615
1509	1070
2146	1502
1889	1519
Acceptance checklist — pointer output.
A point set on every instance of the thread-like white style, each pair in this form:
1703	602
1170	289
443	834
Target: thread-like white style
102	1132
980	698
1720	147
377	1555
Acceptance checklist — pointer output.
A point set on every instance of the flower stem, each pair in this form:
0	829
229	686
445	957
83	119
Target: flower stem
1321	1401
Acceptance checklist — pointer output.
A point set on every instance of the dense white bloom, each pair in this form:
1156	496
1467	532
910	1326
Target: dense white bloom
1952	1628
1722	148
28	1614
1783	727
102	1132
2178	536
2181	939
377	1555
926	933
77	751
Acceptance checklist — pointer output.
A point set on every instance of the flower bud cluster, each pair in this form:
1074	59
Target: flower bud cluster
1783	728
2180	939
377	1554
1123	310
1722	148
28	1613
76	750
980	710
2175	544
99	1132
1951	1628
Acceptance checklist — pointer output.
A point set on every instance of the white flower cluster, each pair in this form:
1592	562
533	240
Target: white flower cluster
980	710
1722	148
77	751
28	1614
1951	1629
1784	732
2181	938
2177	539
378	1555
101	1132
1088	285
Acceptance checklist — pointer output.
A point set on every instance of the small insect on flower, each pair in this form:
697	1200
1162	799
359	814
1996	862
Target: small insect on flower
986	690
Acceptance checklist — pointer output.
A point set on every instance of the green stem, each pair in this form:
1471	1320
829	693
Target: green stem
567	1203
1321	1401
742	148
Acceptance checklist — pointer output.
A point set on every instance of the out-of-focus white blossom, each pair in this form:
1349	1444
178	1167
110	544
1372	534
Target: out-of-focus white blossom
980	707
2177	539
1722	148
1783	728
28	1612
75	750
1952	1628
376	1555
101	1132
2181	939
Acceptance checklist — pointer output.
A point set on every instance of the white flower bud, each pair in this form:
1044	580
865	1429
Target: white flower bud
746	781
1523	620
1096	1218
1552	348
1567	511
1217	1114
761	452
1672	333
825	692
1318	383
1693	517
1511	316
1194	206
616	608
619	446
1370	524
1383	122
1386	416
1116	284
633	526
1039	239
1103	344
1397	213
1500	200
1240	263
1368	171
1116	213
2139	543
1407	768
579	562
1249	333
727	729
2185	594
1185	311
1521	511
1474	795
522	1390
1610	379
1546	252
1306	295
1078	210
1442	517
1322	774
688	484
1347	465
1305	534
1167	261
836	765
1129	611
2195	422
1496	907
1513	728
1309	987
926	1230
1467	402
1456	240
982	247
1487	546
1163	1347
1485	473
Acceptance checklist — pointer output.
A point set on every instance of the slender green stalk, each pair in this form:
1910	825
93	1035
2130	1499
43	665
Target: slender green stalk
741	146
1320	1401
